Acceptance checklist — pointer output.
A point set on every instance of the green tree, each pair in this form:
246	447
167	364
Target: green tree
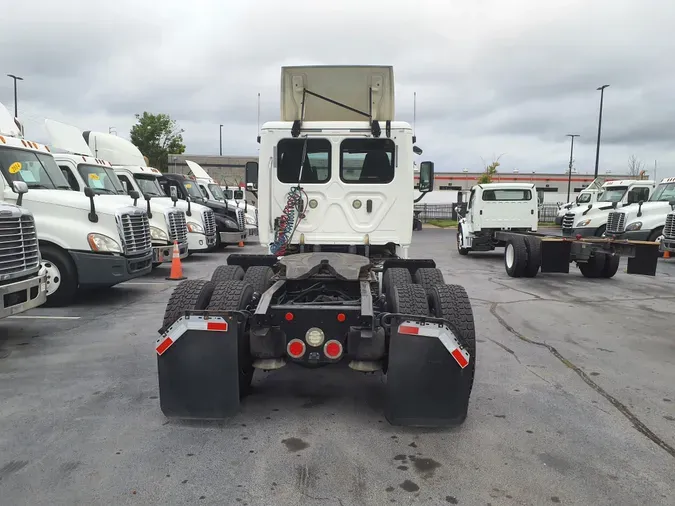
489	172
157	135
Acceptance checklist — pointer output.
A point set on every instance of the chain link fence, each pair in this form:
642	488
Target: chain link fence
427	212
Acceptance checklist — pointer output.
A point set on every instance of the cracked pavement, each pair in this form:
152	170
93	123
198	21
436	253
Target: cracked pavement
573	404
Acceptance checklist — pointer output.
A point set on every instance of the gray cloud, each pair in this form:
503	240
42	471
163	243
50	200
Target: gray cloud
491	77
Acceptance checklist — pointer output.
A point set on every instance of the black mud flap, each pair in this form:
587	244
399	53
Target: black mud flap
426	387
198	368
555	256
645	260
246	261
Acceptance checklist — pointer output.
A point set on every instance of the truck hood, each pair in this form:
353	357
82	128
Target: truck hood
180	204
647	209
597	207
77	200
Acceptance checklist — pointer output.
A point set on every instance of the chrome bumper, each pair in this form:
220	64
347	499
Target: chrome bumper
23	295
164	254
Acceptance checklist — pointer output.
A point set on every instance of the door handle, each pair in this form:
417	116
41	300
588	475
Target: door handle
369	206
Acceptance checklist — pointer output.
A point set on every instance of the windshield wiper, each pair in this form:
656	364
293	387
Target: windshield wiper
64	187
105	190
40	186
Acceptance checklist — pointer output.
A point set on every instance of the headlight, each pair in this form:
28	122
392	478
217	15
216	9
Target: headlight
195	227
158	234
230	223
583	223
250	220
636	225
103	244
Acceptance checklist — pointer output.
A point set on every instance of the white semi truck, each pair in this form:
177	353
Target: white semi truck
334	192
82	170
505	215
588	195
668	237
212	191
591	220
131	169
23	280
84	243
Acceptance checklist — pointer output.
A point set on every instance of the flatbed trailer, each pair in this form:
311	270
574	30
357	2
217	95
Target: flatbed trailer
527	253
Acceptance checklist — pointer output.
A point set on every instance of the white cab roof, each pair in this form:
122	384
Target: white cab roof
497	186
627	182
114	149
348	84
198	171
66	137
323	127
8	126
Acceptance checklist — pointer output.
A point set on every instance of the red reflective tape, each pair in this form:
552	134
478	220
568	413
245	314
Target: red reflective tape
164	345
459	357
216	326
407	329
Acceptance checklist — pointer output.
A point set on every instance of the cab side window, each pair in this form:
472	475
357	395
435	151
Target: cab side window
70	177
472	198
637	195
124	180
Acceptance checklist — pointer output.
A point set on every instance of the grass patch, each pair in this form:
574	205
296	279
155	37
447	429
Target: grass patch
442	223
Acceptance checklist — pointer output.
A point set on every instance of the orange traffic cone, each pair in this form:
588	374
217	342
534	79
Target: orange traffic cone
666	254
241	244
176	266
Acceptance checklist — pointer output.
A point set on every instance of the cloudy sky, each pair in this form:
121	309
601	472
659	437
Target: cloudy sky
493	77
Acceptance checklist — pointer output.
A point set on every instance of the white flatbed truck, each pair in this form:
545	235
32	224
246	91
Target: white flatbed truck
505	215
337	284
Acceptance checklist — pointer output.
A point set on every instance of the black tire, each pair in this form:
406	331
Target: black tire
600	231
396	276
654	236
227	273
67	276
594	267
452	303
259	277
410	299
519	257
428	277
611	266
533	245
233	296
460	250
192	294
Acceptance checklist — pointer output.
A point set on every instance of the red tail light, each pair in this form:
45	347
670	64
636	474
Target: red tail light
341	317
296	348
333	349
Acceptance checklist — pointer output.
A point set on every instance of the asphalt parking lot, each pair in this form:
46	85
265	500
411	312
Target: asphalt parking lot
574	403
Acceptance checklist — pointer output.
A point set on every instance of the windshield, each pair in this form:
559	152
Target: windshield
37	170
217	192
613	194
663	193
149	185
192	190
584	198
238	195
101	179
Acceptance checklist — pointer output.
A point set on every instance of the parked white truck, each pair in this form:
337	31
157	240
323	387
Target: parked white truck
83	243
588	195
338	284
82	170
131	169
505	215
668	238
644	221
23	280
591	220
212	191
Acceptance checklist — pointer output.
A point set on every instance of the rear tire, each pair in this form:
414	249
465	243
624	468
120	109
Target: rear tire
533	246
227	273
396	276
236	295
62	276
515	256
611	266
410	299
594	267
428	277
259	277
192	294
460	242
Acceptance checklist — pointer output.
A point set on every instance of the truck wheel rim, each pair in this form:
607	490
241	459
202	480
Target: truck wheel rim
53	277
509	255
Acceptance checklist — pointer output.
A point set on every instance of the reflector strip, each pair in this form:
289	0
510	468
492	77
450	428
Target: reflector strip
164	345
407	329
183	324
459	357
444	335
217	326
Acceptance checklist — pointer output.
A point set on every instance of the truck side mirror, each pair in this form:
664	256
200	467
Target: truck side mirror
20	187
134	195
174	194
251	174
671	203
426	177
89	192
417	150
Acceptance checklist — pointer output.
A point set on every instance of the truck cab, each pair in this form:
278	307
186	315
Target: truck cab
130	167
210	190
230	223
83	170
495	207
585	197
645	220
591	220
84	242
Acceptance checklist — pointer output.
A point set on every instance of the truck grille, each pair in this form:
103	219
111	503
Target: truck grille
568	220
136	233
18	246
669	228
209	222
616	222
240	218
177	227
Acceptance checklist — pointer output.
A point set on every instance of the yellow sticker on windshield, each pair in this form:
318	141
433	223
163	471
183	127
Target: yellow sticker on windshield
94	176
188	185
14	168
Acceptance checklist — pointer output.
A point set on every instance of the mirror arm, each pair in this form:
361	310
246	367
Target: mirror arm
147	198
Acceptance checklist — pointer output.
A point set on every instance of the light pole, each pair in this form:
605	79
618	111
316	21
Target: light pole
569	175
16	106
221	140
601	89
